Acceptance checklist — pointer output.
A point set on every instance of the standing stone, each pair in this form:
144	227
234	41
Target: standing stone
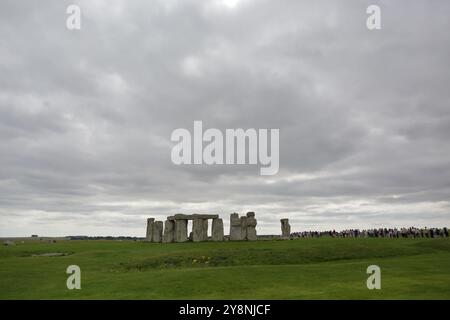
217	230
181	230
169	231
235	227
285	229
243	221
198	230
157	231
251	227
205	229
149	233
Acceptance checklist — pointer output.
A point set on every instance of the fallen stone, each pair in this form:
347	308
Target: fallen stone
50	254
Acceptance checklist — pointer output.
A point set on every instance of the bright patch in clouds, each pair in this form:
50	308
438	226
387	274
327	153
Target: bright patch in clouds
230	3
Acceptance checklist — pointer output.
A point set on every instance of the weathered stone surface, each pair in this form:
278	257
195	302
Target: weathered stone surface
149	233
235	227
285	229
251	227
205	229
180	216
251	234
175	228
181	230
243	228
217	230
250	214
157	231
199	232
169	231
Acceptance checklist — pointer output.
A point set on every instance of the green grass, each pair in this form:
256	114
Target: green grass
323	268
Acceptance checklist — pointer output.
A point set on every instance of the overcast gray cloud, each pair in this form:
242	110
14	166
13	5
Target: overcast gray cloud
86	116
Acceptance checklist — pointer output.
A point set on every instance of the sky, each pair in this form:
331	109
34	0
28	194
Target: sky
86	115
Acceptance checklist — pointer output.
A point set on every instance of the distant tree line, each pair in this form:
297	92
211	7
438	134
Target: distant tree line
411	232
104	238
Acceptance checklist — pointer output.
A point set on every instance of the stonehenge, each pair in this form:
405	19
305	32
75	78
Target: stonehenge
285	229
175	228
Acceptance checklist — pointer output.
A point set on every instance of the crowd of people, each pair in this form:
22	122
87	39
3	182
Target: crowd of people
411	232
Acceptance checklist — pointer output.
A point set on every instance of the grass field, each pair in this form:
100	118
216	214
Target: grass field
322	268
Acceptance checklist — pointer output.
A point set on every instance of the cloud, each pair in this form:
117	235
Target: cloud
86	116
